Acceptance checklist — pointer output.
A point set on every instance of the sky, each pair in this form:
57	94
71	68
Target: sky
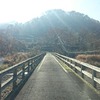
24	10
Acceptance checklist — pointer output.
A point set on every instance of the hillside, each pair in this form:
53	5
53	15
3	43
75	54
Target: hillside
56	30
9	44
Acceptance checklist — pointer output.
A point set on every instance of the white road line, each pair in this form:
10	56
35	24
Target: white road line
60	65
41	64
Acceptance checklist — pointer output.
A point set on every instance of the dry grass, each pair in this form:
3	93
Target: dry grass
91	59
4	66
13	59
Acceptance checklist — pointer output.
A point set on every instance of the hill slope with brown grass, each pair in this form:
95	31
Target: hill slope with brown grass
91	59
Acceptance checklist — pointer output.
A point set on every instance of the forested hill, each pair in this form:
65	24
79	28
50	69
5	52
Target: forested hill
57	29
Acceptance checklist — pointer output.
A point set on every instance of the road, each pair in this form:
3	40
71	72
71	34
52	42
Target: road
51	82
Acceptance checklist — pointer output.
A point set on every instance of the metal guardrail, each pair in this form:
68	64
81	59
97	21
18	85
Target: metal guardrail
17	75
93	72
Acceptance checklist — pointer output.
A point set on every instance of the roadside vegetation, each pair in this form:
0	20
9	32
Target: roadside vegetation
91	59
13	59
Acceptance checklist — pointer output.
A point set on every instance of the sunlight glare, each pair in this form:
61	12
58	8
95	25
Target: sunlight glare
24	10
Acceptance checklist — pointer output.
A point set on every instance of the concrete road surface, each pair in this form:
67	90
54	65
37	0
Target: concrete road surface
51	82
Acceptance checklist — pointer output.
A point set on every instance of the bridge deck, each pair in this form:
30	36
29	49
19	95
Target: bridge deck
50	82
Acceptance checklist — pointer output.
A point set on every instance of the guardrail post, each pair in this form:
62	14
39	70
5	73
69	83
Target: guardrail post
23	73
0	87
14	78
69	64
33	64
82	68
32	67
93	75
75	64
28	66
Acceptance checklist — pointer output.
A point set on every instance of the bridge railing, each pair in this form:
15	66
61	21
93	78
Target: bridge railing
13	78
84	69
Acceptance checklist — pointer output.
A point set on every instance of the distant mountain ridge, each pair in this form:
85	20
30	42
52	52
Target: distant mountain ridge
57	30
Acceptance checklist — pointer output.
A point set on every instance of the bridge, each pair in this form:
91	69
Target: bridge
50	77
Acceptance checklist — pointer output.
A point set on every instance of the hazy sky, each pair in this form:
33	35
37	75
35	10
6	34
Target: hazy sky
24	10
